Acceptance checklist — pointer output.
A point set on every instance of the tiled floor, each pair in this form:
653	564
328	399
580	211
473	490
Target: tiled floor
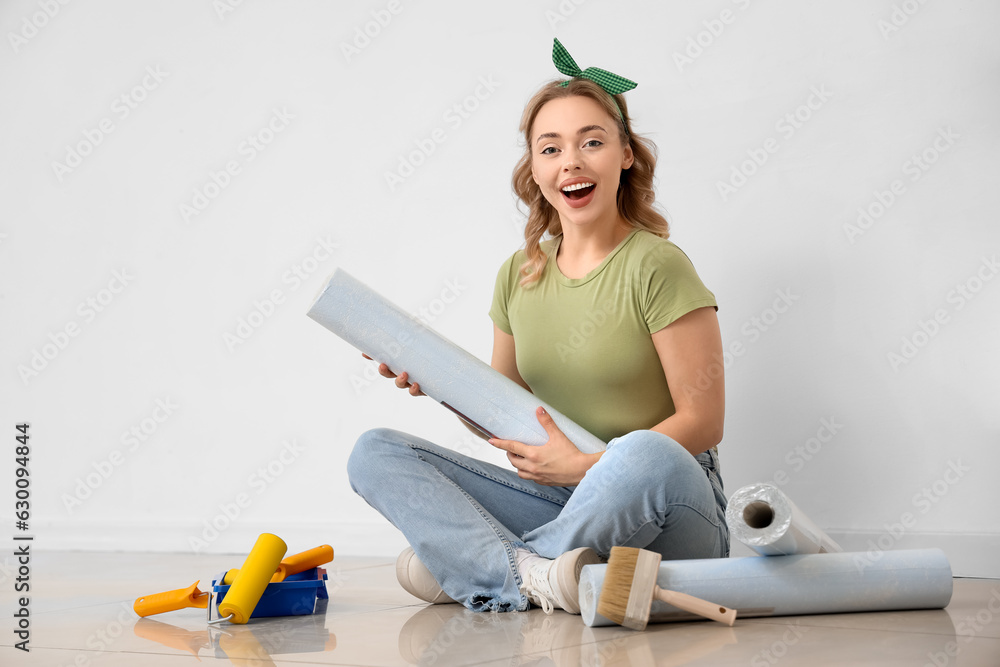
81	615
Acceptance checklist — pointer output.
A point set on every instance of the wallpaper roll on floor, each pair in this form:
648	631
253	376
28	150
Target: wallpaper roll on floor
766	520
830	583
464	384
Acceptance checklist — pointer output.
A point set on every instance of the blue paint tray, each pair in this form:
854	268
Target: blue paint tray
295	596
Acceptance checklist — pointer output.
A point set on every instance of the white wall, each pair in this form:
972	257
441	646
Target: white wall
887	81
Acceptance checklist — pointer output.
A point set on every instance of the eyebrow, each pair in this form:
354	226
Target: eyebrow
582	130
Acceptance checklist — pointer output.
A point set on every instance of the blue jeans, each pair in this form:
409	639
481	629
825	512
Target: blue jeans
465	518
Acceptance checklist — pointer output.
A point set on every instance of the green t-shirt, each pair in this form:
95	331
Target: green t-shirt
583	345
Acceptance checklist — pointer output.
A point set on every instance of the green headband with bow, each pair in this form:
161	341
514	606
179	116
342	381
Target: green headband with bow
609	81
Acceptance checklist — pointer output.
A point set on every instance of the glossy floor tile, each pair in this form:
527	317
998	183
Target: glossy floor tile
81	615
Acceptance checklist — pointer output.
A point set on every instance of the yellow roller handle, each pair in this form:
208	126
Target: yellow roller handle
293	564
249	585
304	561
181	598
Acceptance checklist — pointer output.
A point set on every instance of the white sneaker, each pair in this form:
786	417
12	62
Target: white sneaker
417	580
556	583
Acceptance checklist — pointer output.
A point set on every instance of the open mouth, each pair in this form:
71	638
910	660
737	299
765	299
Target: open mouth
579	191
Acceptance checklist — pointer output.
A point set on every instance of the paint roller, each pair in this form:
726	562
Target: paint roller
248	586
182	598
294	564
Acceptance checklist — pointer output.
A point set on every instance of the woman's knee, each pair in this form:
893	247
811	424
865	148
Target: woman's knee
653	454
658	464
367	459
691	535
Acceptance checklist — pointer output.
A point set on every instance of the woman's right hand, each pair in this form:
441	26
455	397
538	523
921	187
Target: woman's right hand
402	380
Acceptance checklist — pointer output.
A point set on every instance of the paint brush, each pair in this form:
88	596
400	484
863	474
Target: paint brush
630	588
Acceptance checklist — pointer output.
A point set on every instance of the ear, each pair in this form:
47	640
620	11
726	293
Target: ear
627	157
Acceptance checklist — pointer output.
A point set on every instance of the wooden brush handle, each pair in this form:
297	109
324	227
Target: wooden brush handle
709	610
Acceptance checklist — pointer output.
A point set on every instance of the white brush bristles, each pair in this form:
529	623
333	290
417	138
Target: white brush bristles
627	594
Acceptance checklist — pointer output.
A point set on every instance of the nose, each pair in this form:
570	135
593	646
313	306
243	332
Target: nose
571	160
574	156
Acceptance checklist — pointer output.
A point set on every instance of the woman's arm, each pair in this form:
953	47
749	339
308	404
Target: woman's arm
690	350
504	358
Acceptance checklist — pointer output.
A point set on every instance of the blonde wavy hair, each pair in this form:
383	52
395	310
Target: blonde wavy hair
635	193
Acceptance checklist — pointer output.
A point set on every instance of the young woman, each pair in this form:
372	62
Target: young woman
609	323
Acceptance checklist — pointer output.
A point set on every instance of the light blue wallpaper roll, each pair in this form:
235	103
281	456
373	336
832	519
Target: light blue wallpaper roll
493	403
830	583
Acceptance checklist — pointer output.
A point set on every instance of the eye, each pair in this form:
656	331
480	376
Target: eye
595	142
545	151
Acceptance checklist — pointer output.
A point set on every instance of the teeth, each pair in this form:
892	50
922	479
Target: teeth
570	188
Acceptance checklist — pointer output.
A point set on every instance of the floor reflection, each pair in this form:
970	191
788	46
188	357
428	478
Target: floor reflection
450	634
442	634
256	642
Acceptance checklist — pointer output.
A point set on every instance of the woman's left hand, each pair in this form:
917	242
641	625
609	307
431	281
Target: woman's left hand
556	463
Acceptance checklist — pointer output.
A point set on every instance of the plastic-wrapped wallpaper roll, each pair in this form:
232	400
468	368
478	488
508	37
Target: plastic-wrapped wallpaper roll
830	583
766	520
464	384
